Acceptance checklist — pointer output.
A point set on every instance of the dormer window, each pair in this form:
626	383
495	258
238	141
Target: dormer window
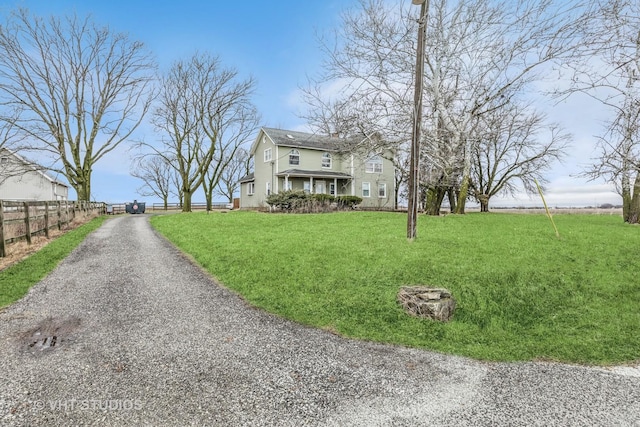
373	165
294	157
326	161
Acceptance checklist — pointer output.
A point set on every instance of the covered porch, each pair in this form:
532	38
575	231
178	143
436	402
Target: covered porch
316	182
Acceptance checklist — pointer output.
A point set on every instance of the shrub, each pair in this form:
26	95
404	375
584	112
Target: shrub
300	202
287	200
348	202
325	199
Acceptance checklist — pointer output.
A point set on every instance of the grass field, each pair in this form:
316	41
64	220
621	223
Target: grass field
16	280
522	294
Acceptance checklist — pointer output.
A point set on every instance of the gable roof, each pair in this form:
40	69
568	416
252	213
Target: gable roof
295	139
247	178
30	166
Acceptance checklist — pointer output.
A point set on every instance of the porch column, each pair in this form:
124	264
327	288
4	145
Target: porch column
353	179
335	186
311	189
286	182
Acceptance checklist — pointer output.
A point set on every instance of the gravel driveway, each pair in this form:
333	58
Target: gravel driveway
126	331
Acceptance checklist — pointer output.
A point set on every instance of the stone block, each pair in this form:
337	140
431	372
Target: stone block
427	302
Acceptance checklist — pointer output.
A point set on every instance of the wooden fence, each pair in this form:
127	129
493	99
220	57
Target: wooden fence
22	220
194	206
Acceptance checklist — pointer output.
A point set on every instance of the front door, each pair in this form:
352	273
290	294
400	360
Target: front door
321	187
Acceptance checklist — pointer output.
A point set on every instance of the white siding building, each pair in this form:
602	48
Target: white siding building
21	180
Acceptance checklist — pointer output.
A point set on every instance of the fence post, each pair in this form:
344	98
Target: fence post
27	222
59	213
46	219
3	248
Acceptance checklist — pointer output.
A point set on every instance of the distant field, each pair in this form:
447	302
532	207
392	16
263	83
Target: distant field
559	211
522	293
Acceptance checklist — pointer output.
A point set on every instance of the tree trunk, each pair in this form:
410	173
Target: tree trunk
466	178
451	194
634	208
462	196
209	199
83	189
626	197
435	196
484	202
186	200
208	195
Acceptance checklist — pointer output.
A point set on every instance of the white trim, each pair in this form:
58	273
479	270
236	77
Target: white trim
326	155
353	180
294	152
381	186
372	164
368	185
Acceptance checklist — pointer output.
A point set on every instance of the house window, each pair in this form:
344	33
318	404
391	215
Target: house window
326	161
373	165
251	188
307	186
366	189
4	160
268	188
382	190
267	155
332	188
294	157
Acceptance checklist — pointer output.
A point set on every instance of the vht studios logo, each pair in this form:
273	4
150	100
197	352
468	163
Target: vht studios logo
88	405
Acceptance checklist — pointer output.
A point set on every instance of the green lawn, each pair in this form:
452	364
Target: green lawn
522	294
16	280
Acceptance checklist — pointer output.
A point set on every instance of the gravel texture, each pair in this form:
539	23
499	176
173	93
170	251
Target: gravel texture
144	337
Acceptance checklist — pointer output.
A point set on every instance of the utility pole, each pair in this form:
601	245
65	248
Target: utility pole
414	171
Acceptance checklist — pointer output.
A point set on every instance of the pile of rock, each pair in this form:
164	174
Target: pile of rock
427	302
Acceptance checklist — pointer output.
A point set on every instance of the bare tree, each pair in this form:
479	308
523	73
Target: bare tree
238	167
480	56
79	90
606	67
9	138
156	174
619	160
514	146
234	129
201	107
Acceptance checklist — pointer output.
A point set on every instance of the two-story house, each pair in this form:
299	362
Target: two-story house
21	180
289	160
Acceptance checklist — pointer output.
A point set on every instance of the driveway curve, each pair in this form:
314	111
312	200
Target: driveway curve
127	331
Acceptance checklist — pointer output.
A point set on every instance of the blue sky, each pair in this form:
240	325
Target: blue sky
275	42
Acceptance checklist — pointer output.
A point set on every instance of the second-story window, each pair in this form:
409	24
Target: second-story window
326	160
373	165
294	157
267	155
